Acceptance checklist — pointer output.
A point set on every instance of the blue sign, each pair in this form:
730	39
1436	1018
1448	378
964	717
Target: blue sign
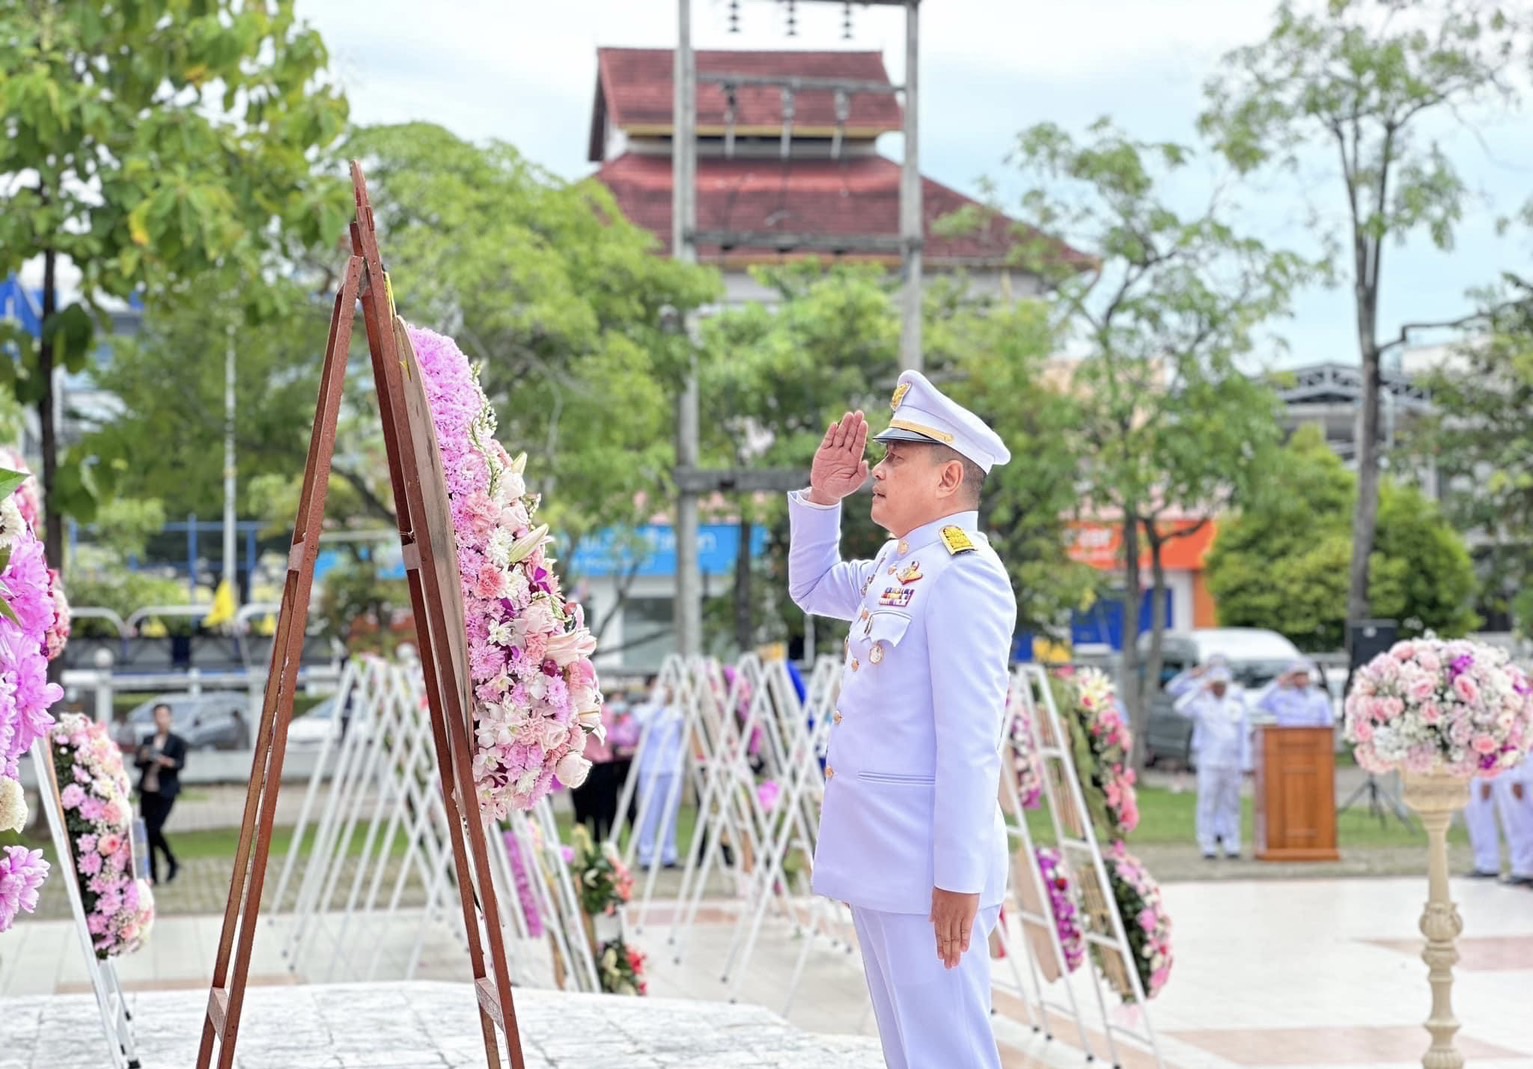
1102	624
650	551
26	308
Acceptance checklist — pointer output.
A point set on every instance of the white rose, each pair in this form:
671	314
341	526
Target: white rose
554	734
11	521
572	769
13	806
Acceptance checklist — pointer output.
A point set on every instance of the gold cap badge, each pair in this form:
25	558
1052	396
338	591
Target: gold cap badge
899	395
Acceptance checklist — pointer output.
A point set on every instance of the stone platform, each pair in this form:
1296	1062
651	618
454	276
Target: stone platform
425	1025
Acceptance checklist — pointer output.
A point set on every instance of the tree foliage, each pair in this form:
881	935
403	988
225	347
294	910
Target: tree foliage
1166	424
1481	441
166	442
144	144
561	301
1282	561
1365	84
999	362
775	376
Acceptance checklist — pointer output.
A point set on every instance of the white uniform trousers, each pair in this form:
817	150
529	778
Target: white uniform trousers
1514	801
659	803
1219	808
929	1016
1481	822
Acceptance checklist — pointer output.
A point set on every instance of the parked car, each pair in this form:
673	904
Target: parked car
214	720
1256	657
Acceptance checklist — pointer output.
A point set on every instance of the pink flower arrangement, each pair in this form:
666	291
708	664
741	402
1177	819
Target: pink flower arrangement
524	891
28	501
621	968
1145	920
1103	745
1435	706
30	632
22	872
1064	905
119	907
535	689
604	882
767	794
1026	762
57	635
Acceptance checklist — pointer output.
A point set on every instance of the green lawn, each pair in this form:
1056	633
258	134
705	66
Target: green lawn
224	842
1167	817
1164	818
125	701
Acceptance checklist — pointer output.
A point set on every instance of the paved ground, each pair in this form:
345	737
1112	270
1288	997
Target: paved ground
1307	970
427	1025
1321	974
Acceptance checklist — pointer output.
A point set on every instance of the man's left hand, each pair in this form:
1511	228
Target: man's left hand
953	922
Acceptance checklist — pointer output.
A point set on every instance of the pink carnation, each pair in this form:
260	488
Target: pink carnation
22	872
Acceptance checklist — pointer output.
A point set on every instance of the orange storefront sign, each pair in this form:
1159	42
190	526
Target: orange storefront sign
1100	545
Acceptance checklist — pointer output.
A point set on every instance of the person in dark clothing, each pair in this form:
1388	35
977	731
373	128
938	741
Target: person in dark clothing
160	760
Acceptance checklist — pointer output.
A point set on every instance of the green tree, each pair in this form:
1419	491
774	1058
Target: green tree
146	143
1480	440
774	377
1167	424
999	362
771	379
562	302
1364	84
166	443
1282	562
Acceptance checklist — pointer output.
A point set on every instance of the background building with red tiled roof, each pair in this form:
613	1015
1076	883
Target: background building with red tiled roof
831	182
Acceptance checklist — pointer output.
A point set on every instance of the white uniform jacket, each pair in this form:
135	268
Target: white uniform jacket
914	763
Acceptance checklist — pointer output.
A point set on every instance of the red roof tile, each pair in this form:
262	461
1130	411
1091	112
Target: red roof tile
850	197
635	91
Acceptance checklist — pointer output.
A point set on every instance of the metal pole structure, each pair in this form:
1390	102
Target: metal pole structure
231	574
911	230
688	607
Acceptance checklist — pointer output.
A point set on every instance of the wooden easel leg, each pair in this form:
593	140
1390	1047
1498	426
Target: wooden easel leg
232	968
436	597
427	541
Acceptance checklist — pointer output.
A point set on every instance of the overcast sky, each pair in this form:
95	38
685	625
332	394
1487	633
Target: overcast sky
525	73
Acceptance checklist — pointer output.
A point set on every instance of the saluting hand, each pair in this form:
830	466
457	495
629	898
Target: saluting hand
840	465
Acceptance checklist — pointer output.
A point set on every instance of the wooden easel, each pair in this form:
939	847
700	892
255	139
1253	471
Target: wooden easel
431	564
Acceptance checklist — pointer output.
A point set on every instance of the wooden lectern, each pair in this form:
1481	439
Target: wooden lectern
1295	794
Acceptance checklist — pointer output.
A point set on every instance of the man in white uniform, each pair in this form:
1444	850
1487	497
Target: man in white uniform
1221	747
911	836
1294	703
1509	799
662	766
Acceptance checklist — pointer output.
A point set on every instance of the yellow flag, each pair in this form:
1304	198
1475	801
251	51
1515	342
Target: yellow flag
224	607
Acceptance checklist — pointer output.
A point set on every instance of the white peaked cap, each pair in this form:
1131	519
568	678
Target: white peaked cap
923	414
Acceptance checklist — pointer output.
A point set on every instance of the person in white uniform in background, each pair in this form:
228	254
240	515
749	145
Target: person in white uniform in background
1192	678
1221	748
1293	702
911	835
1516	800
1502	807
661	753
